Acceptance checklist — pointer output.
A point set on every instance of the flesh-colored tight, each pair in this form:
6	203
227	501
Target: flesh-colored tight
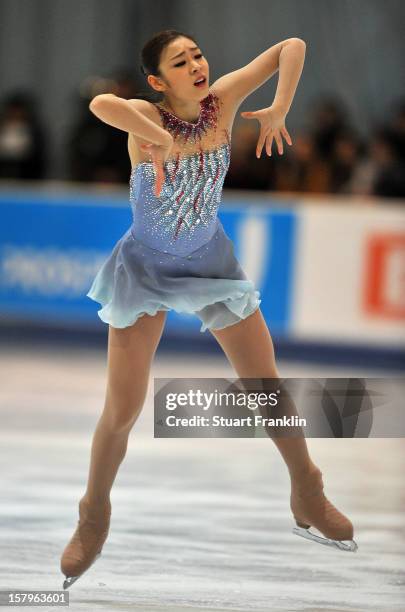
249	349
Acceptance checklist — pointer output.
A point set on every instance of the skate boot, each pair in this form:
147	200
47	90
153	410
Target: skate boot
85	546
310	507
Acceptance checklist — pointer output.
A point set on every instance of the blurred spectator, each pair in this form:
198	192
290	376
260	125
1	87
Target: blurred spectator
344	160
22	138
327	158
397	126
329	119
390	175
98	151
302	168
381	172
365	174
246	171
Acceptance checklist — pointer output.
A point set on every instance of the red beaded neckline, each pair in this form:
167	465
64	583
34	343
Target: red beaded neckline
187	130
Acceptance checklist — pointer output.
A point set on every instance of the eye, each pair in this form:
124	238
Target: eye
183	62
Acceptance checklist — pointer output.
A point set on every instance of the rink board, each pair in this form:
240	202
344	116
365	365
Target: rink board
326	271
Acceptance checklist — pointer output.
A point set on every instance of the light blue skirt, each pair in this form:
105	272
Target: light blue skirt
209	282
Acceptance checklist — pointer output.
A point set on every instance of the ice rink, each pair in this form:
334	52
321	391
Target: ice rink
197	524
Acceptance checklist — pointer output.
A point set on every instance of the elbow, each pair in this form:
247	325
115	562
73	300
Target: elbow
297	43
300	41
95	102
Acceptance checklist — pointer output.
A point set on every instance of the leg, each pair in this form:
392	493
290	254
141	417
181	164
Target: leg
249	348
130	353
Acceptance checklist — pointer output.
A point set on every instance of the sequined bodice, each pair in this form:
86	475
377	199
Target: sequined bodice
184	215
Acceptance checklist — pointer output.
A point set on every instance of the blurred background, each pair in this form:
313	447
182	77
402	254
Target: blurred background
326	218
321	232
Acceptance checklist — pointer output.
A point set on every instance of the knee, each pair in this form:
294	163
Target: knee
121	419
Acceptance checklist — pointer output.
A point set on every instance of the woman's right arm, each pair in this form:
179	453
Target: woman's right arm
120	113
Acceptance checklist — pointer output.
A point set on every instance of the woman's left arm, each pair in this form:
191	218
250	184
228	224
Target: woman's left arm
286	57
290	65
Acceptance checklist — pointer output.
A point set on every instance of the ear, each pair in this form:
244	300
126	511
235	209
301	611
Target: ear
156	83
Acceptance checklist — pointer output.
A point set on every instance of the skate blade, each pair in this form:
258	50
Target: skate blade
72	579
347	545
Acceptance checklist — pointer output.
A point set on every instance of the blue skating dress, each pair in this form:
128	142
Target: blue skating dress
176	254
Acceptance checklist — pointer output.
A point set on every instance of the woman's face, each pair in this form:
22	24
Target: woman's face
181	65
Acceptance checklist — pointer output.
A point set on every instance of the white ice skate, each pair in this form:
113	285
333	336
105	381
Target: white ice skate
348	545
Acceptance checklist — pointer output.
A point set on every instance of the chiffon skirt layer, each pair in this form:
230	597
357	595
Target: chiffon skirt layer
209	282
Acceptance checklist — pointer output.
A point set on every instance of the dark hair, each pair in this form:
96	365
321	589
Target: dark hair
150	57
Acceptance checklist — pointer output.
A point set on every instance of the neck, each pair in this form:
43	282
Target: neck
188	111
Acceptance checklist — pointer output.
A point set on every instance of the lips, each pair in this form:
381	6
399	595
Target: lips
200	81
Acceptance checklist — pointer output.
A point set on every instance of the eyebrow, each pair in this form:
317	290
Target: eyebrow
178	55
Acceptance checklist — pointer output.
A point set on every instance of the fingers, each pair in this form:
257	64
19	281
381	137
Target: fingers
159	180
158	187
260	143
286	135
248	114
269	136
160	177
269	142
275	134
279	142
157	161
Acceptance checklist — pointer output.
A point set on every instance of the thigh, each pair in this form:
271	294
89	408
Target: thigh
130	354
250	350
249	347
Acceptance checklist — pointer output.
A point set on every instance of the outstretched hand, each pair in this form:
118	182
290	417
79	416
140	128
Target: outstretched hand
159	155
272	125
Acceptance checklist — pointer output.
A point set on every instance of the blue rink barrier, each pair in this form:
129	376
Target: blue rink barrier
53	244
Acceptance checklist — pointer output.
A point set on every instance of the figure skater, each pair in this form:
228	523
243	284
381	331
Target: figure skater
176	255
